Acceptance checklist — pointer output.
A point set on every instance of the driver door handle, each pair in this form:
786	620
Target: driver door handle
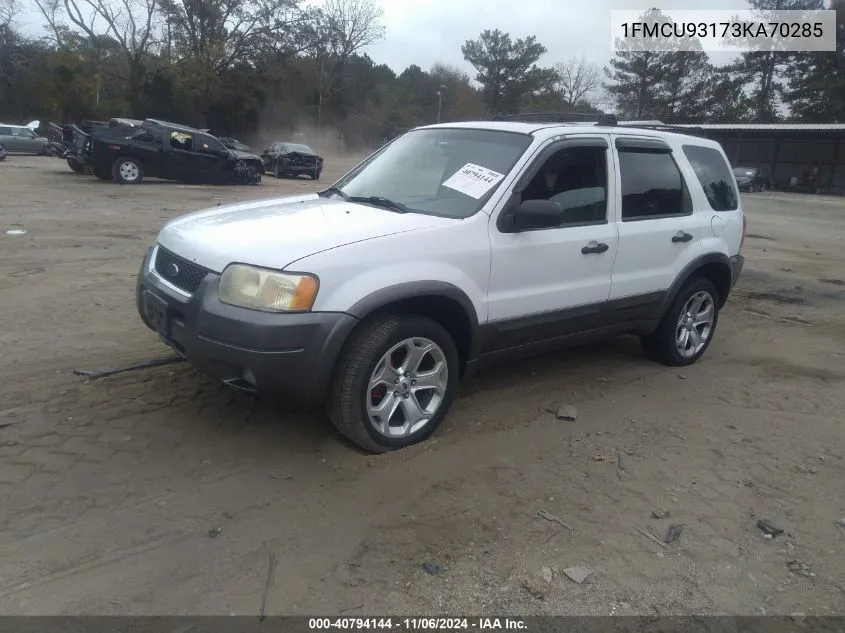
594	247
681	236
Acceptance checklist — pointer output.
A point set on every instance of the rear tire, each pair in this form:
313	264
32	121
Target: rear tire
367	397
668	344
75	165
127	171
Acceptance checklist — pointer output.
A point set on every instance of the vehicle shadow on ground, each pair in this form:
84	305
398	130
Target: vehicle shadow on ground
201	407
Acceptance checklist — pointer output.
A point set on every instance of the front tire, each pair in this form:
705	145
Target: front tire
127	171
394	383
687	328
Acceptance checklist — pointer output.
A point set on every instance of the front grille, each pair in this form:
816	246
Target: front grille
179	271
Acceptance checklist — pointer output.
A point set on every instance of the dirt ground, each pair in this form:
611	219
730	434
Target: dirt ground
161	492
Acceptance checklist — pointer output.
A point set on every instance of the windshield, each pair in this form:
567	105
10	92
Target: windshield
295	147
447	172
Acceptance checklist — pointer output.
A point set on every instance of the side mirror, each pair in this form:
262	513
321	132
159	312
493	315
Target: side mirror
533	214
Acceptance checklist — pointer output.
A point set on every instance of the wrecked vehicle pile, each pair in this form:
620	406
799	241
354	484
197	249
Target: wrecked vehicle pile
169	151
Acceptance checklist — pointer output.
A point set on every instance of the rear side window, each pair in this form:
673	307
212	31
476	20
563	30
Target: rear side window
652	186
713	173
6	131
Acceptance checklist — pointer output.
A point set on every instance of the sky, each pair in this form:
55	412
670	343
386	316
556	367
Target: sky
424	32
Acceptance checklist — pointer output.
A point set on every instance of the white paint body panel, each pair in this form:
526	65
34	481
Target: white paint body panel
274	233
543	271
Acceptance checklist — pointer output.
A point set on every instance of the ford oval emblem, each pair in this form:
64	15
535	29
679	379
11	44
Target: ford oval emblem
172	270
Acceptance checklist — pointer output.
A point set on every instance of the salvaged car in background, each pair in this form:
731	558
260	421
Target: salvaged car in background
233	143
751	179
169	151
70	138
292	159
24	139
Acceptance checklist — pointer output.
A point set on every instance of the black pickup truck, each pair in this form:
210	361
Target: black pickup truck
172	152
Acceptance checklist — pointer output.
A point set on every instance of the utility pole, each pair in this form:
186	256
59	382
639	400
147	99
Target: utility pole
440	101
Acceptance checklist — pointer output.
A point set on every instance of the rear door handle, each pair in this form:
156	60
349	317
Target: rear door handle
594	247
681	236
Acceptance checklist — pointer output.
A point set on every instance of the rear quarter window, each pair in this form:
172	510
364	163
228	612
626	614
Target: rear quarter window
5	131
714	175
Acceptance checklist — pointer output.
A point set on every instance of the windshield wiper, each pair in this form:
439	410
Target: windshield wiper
326	193
380	201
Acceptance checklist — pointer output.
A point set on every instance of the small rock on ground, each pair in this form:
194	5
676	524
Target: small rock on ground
431	569
546	574
567	412
578	574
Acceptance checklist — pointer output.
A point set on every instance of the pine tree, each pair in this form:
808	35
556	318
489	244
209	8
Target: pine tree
765	71
816	84
670	85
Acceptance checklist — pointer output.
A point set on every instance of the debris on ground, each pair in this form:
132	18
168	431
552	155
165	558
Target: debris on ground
660	514
431	569
567	412
801	568
155	362
841	523
534	587
602	458
213	532
682	377
619	467
652	537
768	527
271	577
16	232
807	470
673	533
578	574
546	574
548	516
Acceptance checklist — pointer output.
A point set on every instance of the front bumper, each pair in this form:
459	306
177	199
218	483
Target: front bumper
288	355
737	262
298	169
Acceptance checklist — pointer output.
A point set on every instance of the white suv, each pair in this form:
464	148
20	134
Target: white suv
451	246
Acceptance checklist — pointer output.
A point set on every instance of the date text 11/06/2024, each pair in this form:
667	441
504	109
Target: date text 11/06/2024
416	624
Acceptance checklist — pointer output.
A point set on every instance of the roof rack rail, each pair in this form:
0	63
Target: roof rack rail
555	117
689	131
604	120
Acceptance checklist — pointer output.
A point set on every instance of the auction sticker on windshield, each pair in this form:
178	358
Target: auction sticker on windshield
473	180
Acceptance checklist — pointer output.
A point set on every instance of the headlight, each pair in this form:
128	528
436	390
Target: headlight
268	290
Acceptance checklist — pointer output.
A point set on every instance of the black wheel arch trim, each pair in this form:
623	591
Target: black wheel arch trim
688	271
414	290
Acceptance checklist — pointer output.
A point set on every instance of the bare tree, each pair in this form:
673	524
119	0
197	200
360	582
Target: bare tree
130	24
578	79
8	11
216	33
344	28
53	11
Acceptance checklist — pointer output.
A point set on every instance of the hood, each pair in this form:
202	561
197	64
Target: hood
274	233
244	155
